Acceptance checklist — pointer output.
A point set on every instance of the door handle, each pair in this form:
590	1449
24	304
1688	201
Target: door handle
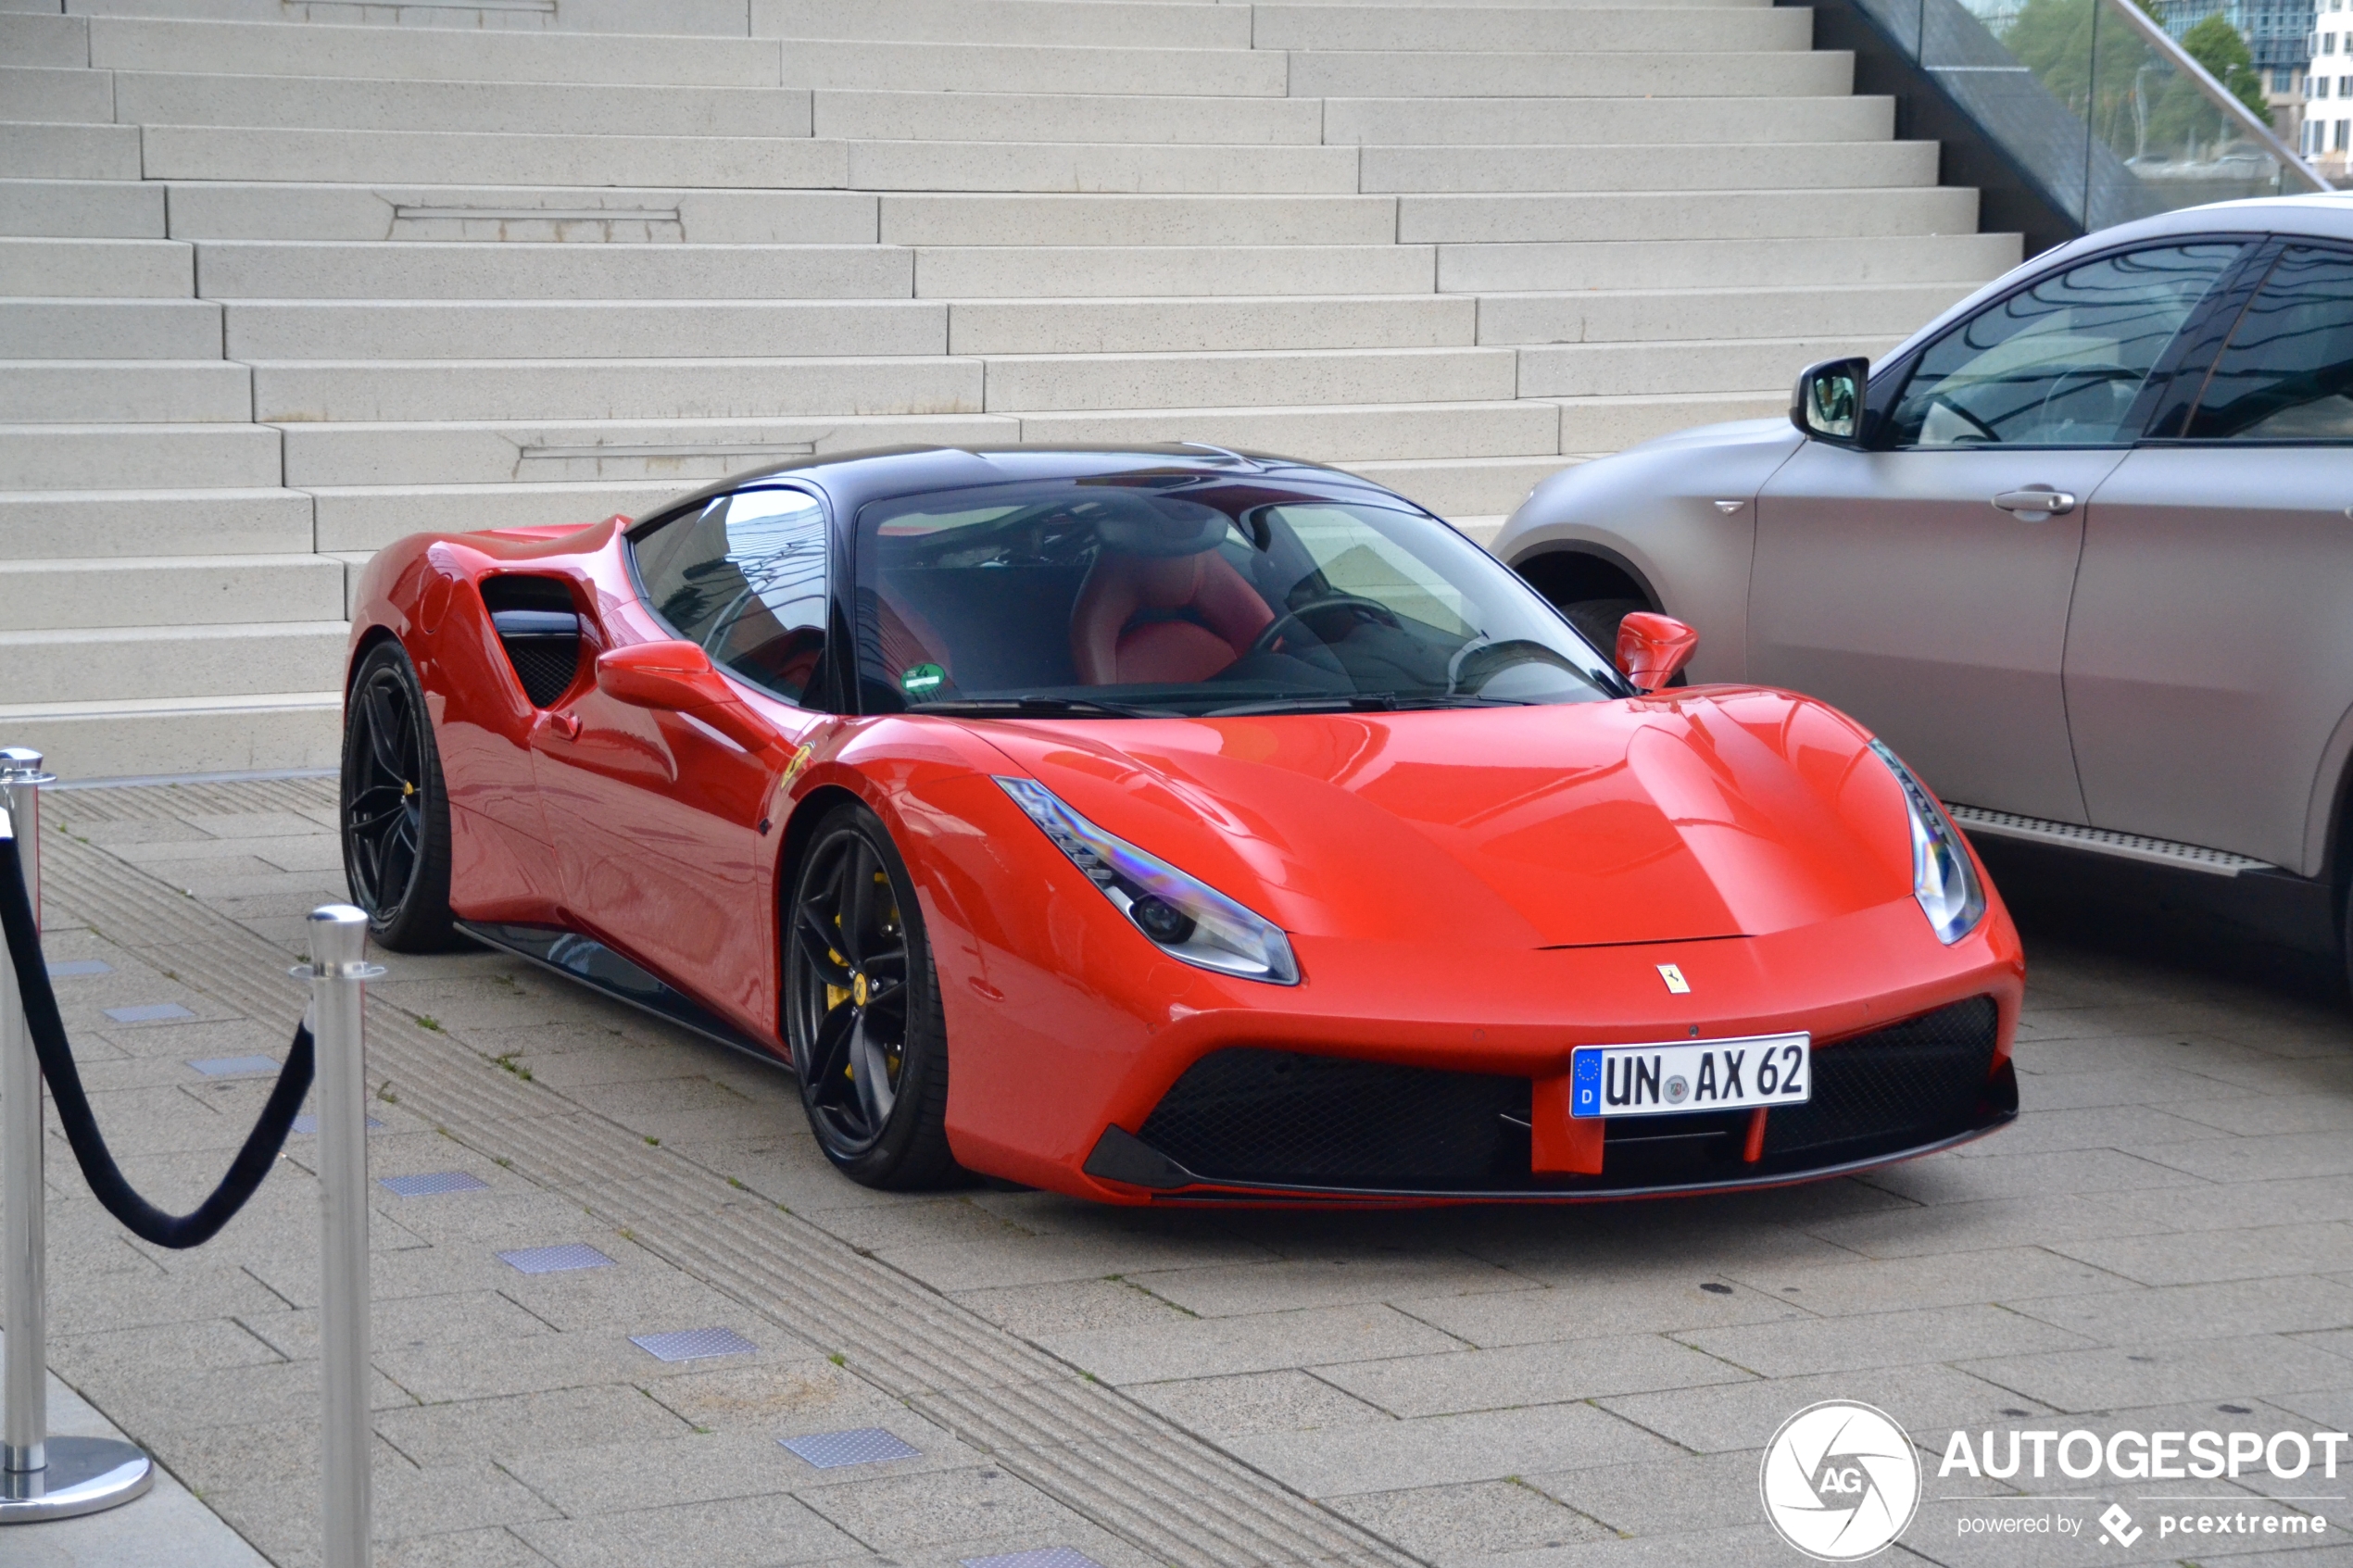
2040	503
565	724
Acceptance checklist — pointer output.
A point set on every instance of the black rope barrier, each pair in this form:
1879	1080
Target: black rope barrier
106	1178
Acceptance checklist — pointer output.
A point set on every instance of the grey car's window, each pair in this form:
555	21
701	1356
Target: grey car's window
2287	372
2061	363
745	577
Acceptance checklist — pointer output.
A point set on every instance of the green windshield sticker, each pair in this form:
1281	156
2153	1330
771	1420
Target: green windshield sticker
922	680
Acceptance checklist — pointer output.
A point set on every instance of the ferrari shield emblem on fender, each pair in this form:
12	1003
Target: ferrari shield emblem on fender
1673	975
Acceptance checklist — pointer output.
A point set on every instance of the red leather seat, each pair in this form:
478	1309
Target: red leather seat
1149	619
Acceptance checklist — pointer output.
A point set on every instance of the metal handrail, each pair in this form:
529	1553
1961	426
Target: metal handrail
2164	42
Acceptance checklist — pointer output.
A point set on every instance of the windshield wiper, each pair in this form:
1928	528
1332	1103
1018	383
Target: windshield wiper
1360	702
1041	707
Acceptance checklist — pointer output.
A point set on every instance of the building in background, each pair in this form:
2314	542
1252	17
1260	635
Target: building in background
2326	139
2280	35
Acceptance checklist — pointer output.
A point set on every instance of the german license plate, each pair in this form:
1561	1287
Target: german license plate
1673	1080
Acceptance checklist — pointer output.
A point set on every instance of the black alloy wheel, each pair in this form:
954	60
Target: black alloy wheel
395	812
861	1008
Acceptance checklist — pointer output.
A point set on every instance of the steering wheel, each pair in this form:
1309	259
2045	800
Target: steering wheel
1988	431
1475	663
1362	611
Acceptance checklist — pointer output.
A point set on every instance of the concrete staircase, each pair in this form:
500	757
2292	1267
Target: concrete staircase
280	290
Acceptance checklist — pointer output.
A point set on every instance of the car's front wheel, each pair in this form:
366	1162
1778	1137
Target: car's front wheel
861	1008
395	812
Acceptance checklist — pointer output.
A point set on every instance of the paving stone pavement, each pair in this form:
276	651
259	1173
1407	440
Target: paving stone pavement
2165	1240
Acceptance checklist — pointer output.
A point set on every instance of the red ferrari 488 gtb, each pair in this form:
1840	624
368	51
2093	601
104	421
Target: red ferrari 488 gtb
1172	825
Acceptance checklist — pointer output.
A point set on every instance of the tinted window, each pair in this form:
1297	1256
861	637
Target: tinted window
2059	364
1193	594
2288	373
745	577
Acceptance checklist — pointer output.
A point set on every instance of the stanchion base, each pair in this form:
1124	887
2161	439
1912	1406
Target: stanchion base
85	1474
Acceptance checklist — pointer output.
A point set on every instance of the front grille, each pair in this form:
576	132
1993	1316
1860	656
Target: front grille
1272	1118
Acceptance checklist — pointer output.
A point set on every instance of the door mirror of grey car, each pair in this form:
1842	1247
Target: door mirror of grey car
1827	404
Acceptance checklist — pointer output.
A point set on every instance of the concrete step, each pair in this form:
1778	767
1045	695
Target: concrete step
1067	117
1472	74
109	328
551	108
1610	424
1335	433
717	17
39	150
240	48
1031	68
137	738
515	214
71	392
336	461
227	152
94	269
1546	28
1667	315
43	93
361	520
78	523
1456	487
129	457
1635	264
1619	370
1020	384
81	209
1673	214
604	389
1033	271
119	663
168	591
1116	221
1723	123
282	269
1150	326
1106	167
379	329
1154	25
44	41
1784	166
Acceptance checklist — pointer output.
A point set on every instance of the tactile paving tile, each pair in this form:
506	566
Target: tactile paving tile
308	1123
234	1066
555	1260
433	1182
866	1445
151	1012
75	969
693	1344
1045	1556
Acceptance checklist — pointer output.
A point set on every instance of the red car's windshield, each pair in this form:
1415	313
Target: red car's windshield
1182	593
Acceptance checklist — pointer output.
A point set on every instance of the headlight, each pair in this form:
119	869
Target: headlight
1943	877
1184	917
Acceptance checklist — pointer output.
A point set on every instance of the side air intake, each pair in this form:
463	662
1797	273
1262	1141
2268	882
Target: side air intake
540	630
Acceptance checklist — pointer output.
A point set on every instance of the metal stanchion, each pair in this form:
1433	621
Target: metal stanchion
40	1477
339	972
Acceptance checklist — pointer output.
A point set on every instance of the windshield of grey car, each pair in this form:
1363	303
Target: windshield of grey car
1192	593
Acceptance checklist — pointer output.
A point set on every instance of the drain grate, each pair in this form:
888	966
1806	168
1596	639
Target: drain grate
153	1012
555	1260
867	1445
1045	1556
432	1184
234	1066
693	1344
74	969
308	1124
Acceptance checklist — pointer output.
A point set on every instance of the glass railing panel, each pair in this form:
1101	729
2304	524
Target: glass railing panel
2178	138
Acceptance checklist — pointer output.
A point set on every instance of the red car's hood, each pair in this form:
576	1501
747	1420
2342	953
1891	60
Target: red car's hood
1723	811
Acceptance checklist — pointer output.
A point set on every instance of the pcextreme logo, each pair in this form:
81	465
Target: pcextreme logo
1840	1481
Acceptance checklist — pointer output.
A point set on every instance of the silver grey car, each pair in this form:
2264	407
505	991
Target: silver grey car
2080	549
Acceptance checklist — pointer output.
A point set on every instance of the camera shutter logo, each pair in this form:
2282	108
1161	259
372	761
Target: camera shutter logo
1840	1480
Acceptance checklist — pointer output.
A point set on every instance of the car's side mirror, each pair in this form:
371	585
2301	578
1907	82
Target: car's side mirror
678	677
1827	402
1652	648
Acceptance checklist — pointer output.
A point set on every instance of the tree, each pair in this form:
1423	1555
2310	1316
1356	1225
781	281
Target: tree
2216	45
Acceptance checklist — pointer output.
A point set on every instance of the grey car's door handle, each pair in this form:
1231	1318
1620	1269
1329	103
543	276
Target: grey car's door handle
2043	503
